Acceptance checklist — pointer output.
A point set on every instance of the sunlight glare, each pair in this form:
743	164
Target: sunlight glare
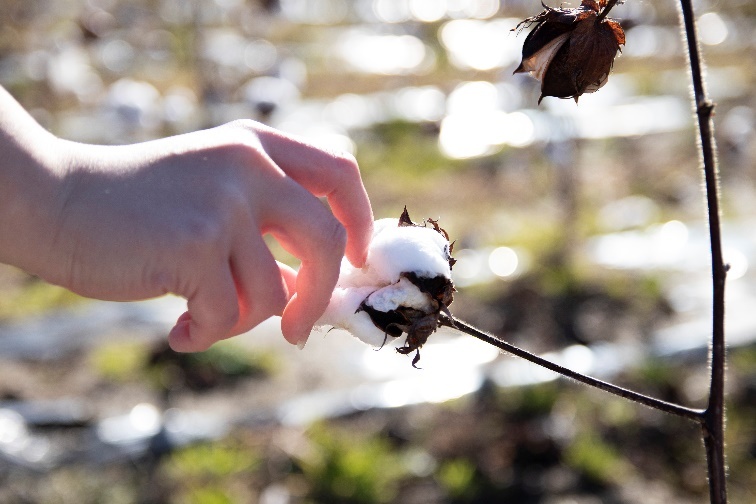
503	261
314	11
427	11
391	11
712	29
477	96
737	261
145	418
382	54
671	239
12	427
480	133
425	103
468	268
480	9
480	45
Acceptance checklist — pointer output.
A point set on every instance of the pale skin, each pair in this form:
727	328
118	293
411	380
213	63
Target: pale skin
184	215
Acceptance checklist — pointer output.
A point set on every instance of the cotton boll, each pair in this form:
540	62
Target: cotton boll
404	286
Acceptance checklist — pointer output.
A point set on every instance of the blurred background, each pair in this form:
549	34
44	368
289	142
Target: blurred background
580	234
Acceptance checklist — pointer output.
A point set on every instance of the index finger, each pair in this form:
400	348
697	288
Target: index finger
306	229
333	175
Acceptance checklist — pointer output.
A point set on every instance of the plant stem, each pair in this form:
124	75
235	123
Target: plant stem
713	426
674	409
606	10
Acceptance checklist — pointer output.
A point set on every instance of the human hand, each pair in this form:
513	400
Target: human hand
186	215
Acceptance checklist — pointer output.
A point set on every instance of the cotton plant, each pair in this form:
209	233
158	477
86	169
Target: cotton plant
405	286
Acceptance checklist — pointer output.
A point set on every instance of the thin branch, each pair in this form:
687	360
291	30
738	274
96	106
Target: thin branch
713	427
610	4
674	409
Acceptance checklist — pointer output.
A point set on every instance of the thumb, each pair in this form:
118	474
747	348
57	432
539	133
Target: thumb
213	312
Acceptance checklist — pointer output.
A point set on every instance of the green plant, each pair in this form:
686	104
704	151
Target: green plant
350	468
597	460
119	361
211	473
35	297
456	476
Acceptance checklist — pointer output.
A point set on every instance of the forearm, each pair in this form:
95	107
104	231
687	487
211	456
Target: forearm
29	176
184	215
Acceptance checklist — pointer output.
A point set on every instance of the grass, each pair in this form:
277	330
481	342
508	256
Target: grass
223	363
210	473
120	361
457	477
597	460
350	468
23	295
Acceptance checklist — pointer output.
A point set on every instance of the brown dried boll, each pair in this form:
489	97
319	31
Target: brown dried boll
417	324
571	51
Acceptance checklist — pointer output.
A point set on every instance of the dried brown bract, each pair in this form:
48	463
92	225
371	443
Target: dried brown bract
571	51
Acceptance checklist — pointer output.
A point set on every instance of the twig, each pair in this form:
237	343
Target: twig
674	409
610	4
713	426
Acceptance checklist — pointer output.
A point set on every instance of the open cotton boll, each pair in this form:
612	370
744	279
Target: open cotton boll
403	287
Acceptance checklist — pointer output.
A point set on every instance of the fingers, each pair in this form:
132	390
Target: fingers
315	282
251	286
305	228
261	287
213	312
335	176
183	338
258	289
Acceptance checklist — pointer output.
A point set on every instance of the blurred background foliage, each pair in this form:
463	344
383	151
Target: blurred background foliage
575	227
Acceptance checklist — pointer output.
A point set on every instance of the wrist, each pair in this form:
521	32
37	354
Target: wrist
31	174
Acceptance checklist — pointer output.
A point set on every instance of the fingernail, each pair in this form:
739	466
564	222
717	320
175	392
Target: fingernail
361	262
302	342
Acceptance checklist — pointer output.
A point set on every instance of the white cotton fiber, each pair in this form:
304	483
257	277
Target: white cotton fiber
343	312
402	293
395	250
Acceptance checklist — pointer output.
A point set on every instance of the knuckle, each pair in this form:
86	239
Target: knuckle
202	238
243	124
347	164
333	236
201	344
235	206
215	328
227	318
245	151
239	145
272	303
206	232
277	301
